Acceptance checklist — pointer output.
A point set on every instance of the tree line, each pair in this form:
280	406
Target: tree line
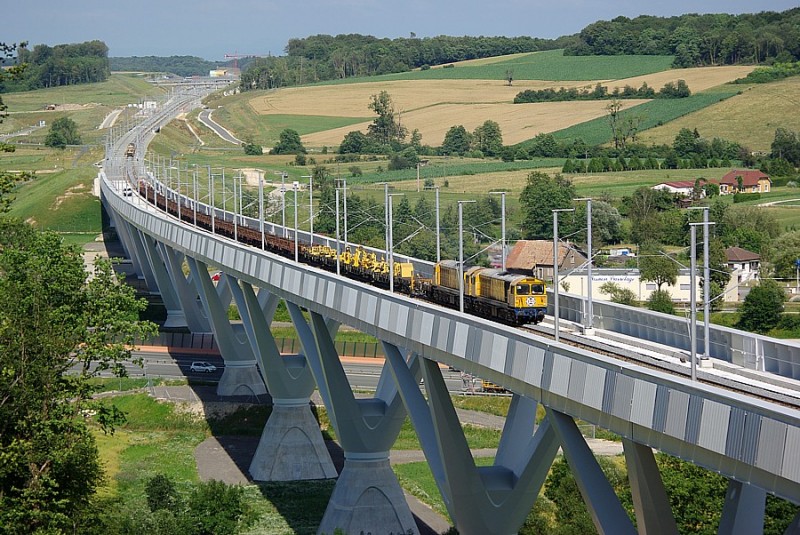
677	89
60	65
325	57
713	39
180	65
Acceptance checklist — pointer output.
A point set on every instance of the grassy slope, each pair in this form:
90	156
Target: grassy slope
653	113
60	197
750	118
549	65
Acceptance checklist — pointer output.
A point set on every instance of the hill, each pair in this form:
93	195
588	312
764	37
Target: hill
749	118
468	94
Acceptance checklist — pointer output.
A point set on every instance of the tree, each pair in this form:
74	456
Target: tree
54	320
539	198
618	294
289	143
661	301
15	72
63	132
457	141
785	251
655	266
386	127
488	138
606	222
762	307
644	209
251	149
685	143
406	159
786	145
613	109
354	142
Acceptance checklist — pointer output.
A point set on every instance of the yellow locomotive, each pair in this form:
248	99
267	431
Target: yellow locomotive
492	293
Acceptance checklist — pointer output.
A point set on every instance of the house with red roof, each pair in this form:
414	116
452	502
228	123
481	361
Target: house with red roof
744	181
684	188
536	257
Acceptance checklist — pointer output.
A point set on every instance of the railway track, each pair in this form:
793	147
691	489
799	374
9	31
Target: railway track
765	387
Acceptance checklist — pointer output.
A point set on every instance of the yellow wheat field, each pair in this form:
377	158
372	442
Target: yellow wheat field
433	106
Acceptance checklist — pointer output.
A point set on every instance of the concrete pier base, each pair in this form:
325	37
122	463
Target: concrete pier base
368	499
241	378
291	447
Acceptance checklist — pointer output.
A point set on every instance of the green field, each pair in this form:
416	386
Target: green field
653	113
548	65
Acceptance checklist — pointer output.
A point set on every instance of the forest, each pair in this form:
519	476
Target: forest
59	65
695	40
180	65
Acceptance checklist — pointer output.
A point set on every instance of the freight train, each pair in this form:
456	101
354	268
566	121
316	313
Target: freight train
510	298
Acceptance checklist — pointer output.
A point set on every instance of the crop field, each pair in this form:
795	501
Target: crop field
548	65
750	118
653	113
432	106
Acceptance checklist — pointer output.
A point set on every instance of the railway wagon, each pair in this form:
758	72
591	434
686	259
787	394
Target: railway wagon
491	293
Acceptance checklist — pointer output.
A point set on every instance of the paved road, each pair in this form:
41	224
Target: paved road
205	118
23	132
110	119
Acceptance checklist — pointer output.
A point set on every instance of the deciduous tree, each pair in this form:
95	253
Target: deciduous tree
655	266
762	307
386	127
289	143
63	132
58	329
539	198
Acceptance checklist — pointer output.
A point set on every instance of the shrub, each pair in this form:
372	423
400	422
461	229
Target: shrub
161	494
661	301
217	508
251	149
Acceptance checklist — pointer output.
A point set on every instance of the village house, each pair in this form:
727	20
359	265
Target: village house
744	181
536	257
684	188
744	264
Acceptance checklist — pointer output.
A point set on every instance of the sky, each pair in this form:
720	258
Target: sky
212	29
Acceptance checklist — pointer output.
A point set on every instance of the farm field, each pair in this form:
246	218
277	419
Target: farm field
750	118
545	65
433	106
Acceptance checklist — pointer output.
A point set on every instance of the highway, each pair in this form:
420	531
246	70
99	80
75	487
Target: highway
362	373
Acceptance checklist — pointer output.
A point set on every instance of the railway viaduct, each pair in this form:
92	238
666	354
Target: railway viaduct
752	442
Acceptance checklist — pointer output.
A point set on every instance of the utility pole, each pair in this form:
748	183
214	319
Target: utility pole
438	239
555	269
461	255
502	225
310	208
589	320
